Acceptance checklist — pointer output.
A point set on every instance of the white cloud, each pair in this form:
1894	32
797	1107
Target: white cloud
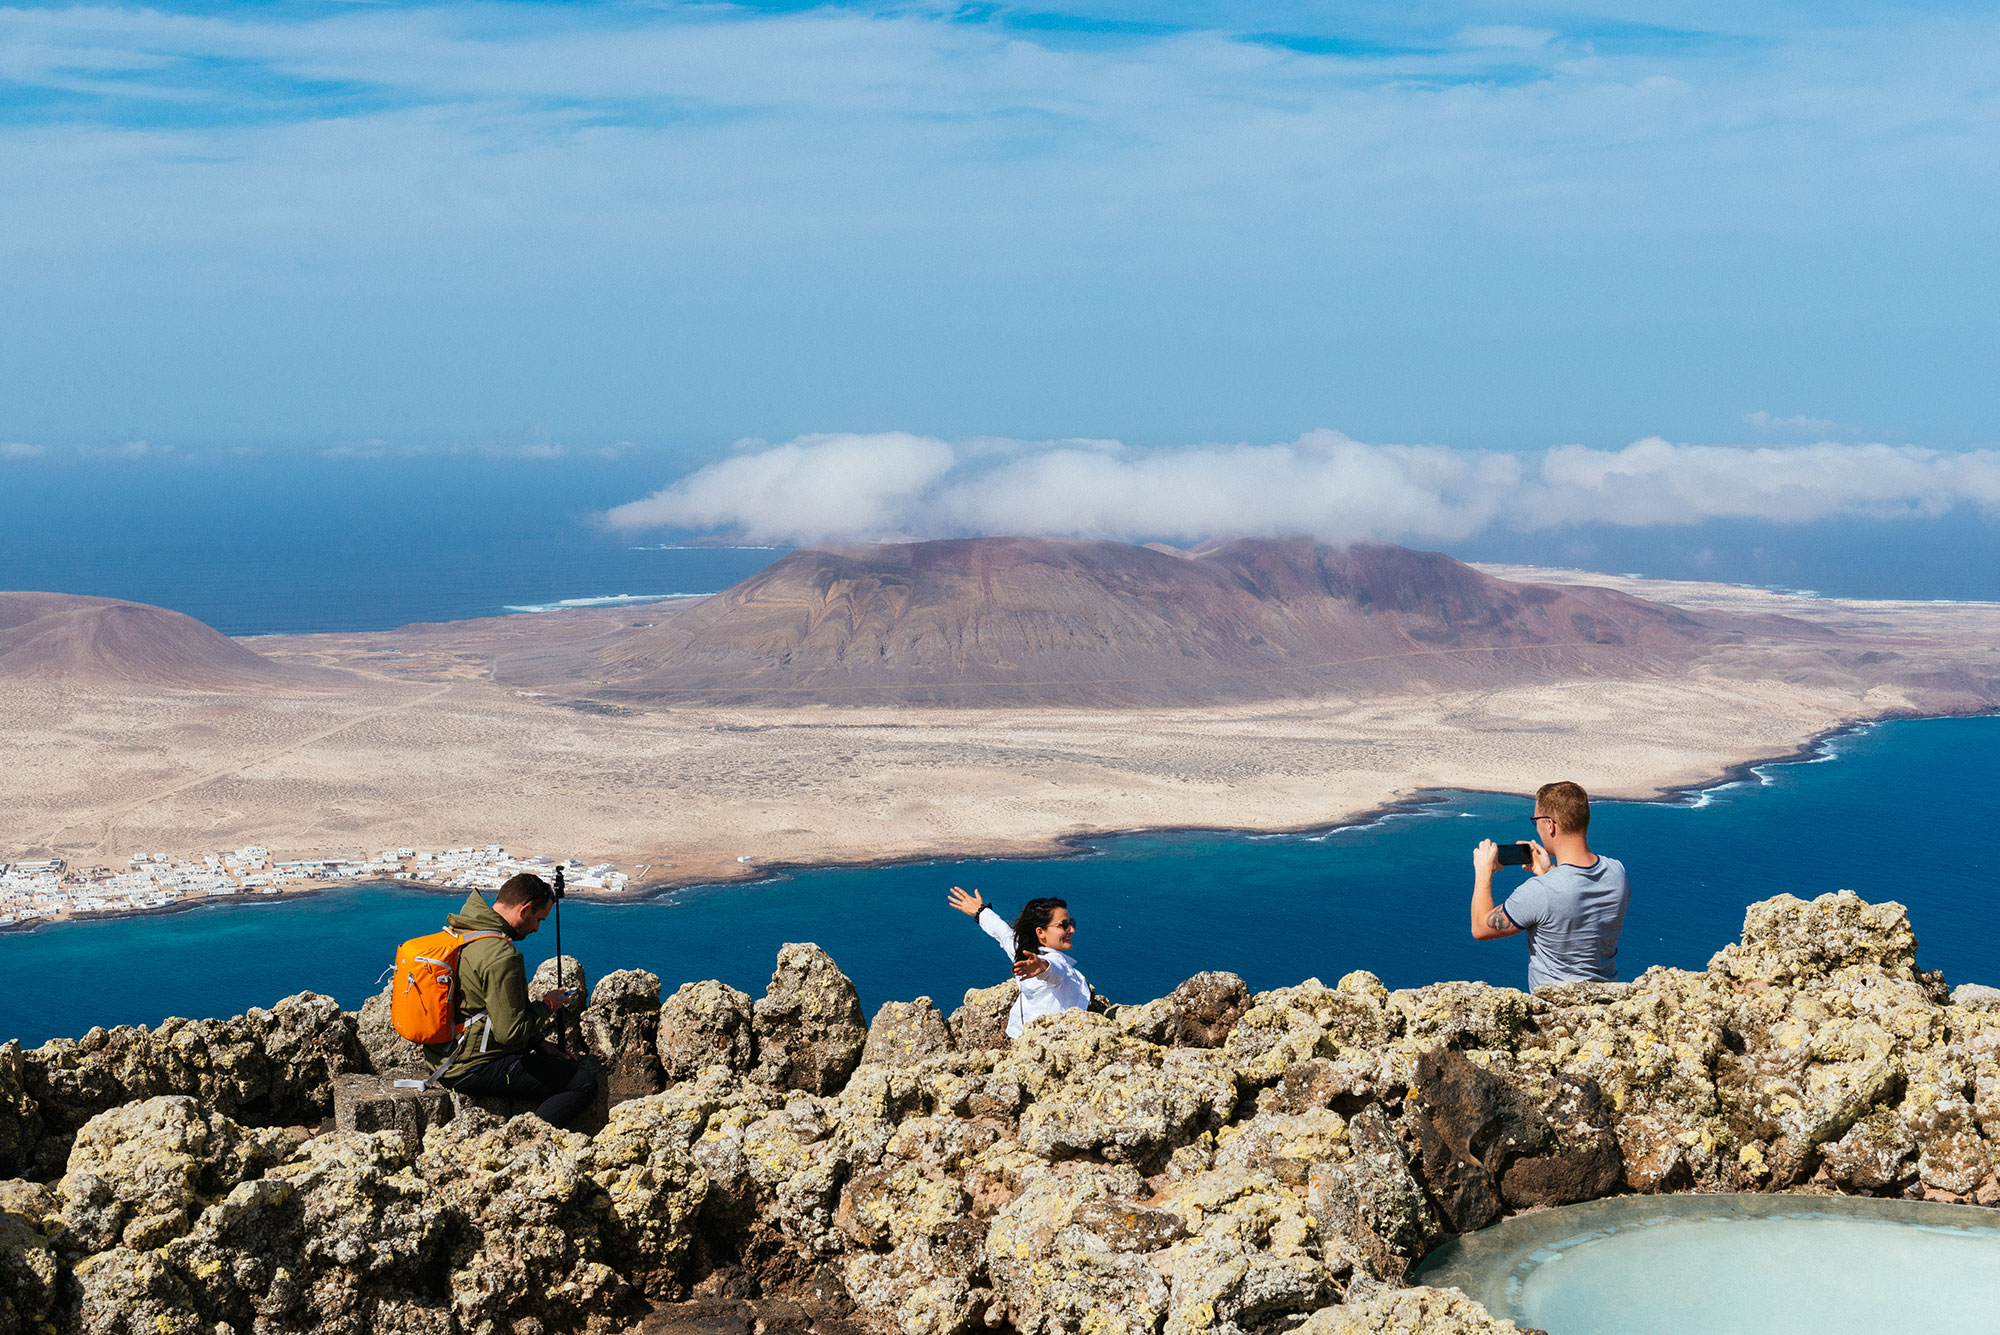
862	487
20	449
814	489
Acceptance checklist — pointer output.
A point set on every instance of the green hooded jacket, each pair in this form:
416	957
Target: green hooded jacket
492	993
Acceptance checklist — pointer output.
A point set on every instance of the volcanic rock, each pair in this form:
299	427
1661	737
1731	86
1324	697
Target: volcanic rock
706	1024
31	1273
905	1032
264	1067
20	1114
388	1052
140	1174
1407	1312
981	1019
808	1023
1373	1203
620	1028
1206	1007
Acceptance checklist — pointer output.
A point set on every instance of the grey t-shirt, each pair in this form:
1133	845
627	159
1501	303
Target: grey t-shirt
1572	916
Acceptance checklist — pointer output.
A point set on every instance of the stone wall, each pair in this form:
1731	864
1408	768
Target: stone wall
1210	1161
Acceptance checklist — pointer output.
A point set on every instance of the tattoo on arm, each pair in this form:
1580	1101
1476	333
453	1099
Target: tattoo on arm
1498	921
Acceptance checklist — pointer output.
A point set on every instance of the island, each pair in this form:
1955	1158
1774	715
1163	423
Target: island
946	699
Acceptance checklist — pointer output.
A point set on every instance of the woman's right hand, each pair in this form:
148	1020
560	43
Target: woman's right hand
969	905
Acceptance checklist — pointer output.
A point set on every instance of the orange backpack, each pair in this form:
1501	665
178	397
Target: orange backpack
423	1002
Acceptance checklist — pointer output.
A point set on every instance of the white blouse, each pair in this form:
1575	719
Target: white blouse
1062	988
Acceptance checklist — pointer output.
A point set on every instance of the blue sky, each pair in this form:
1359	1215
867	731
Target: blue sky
571	226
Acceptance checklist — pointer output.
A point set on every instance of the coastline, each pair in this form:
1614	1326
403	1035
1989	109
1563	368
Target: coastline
1069	846
1064	847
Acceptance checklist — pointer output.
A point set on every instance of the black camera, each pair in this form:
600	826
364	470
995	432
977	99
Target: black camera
1516	855
558	886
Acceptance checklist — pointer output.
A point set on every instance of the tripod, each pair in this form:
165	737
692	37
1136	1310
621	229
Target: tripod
562	1012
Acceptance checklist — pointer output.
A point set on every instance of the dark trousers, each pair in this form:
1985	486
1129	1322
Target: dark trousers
561	1088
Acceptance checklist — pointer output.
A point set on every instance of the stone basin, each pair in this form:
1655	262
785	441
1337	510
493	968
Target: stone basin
1734	1265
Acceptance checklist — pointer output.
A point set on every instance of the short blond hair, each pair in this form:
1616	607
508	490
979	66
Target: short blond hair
1566	803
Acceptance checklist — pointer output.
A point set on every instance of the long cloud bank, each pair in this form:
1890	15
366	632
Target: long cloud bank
852	487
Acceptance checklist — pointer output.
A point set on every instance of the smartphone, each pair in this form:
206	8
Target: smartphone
1515	855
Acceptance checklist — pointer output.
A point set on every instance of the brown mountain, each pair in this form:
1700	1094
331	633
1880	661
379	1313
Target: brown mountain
76	638
986	621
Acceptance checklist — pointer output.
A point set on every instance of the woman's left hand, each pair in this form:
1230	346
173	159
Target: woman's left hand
1033	967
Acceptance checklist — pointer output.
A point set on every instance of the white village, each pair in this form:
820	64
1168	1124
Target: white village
50	889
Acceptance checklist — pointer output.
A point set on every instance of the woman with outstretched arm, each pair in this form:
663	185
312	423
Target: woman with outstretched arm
1038	944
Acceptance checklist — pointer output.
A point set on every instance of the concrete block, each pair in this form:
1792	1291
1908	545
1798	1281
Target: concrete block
373	1103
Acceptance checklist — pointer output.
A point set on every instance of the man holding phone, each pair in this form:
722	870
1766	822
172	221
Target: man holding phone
1572	907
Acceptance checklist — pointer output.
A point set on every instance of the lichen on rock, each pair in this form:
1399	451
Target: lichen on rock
140	1174
705	1024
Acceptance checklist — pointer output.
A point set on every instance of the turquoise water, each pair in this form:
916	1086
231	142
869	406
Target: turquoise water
1798	1276
1901	811
1733	1265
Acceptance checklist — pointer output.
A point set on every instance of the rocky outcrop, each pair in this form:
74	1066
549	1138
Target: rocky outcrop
1214	1160
267	1067
139	1175
387	1052
706	1024
808	1024
621	1028
903	1033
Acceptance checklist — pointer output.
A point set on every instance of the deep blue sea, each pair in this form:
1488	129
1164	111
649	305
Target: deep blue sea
1899	811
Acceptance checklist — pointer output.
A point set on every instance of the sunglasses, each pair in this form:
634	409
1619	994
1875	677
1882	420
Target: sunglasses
1058	926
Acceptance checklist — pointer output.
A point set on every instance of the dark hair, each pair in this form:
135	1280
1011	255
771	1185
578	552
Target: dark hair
1567	803
526	888
1036	913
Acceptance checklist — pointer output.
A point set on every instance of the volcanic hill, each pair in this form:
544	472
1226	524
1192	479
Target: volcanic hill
105	640
999	621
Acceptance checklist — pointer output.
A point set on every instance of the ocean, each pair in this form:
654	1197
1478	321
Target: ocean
1900	810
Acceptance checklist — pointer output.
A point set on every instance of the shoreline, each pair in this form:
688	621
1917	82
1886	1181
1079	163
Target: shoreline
1070	846
1060	848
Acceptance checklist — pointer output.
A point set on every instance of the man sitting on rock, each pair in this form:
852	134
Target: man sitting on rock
502	1053
1572	907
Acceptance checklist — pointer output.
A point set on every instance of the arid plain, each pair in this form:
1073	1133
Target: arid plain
427	736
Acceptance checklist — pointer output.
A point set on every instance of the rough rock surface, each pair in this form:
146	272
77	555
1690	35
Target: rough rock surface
31	1273
266	1067
903	1033
1413	1311
620	1028
574	981
809	1026
1206	1007
1211	1160
140	1174
387	1051
981	1019
20	1114
706	1024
